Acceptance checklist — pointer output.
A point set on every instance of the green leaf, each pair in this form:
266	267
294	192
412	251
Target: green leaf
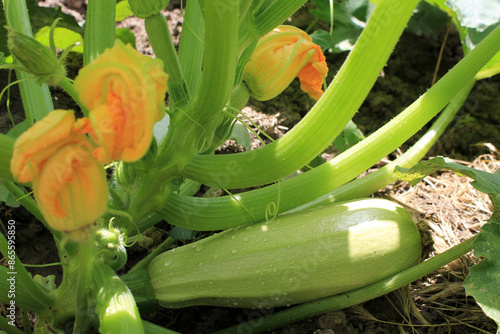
126	36
490	69
322	38
180	233
474	21
479	15
63	38
18	129
482	281
427	20
241	136
7	198
483	278
350	18
1	58
123	10
350	136
44	16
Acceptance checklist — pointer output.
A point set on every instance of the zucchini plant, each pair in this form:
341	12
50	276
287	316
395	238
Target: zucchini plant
283	242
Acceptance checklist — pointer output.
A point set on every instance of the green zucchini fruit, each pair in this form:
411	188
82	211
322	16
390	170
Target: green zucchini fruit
293	259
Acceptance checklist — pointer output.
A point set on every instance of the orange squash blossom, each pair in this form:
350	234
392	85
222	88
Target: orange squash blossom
281	55
68	183
124	92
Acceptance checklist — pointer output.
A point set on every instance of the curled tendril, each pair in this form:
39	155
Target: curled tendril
272	209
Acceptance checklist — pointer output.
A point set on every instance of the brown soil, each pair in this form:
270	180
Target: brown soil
446	203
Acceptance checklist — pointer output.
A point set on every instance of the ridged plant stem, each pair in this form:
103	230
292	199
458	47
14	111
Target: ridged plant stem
163	46
369	184
344	167
115	305
37	101
324	121
99	29
6	147
275	14
191	44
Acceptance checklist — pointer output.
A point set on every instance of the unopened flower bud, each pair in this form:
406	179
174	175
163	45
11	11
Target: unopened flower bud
145	8
36	58
280	56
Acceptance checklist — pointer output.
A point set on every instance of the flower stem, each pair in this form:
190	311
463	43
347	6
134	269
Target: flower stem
355	297
228	171
83	285
71	91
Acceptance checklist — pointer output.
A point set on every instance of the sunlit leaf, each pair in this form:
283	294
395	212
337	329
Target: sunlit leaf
241	135
63	38
123	10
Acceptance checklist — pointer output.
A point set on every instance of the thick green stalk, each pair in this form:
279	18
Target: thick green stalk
161	41
355	297
115	304
6	147
324	121
83	286
352	162
99	29
275	14
190	128
23	279
369	184
218	213
191	44
219	63
37	101
139	284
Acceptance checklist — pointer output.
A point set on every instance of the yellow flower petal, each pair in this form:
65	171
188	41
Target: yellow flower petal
125	93
39	142
71	189
279	57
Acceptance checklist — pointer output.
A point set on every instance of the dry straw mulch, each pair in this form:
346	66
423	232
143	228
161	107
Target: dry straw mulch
453	210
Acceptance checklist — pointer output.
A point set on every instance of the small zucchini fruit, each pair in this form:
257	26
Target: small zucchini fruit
295	258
